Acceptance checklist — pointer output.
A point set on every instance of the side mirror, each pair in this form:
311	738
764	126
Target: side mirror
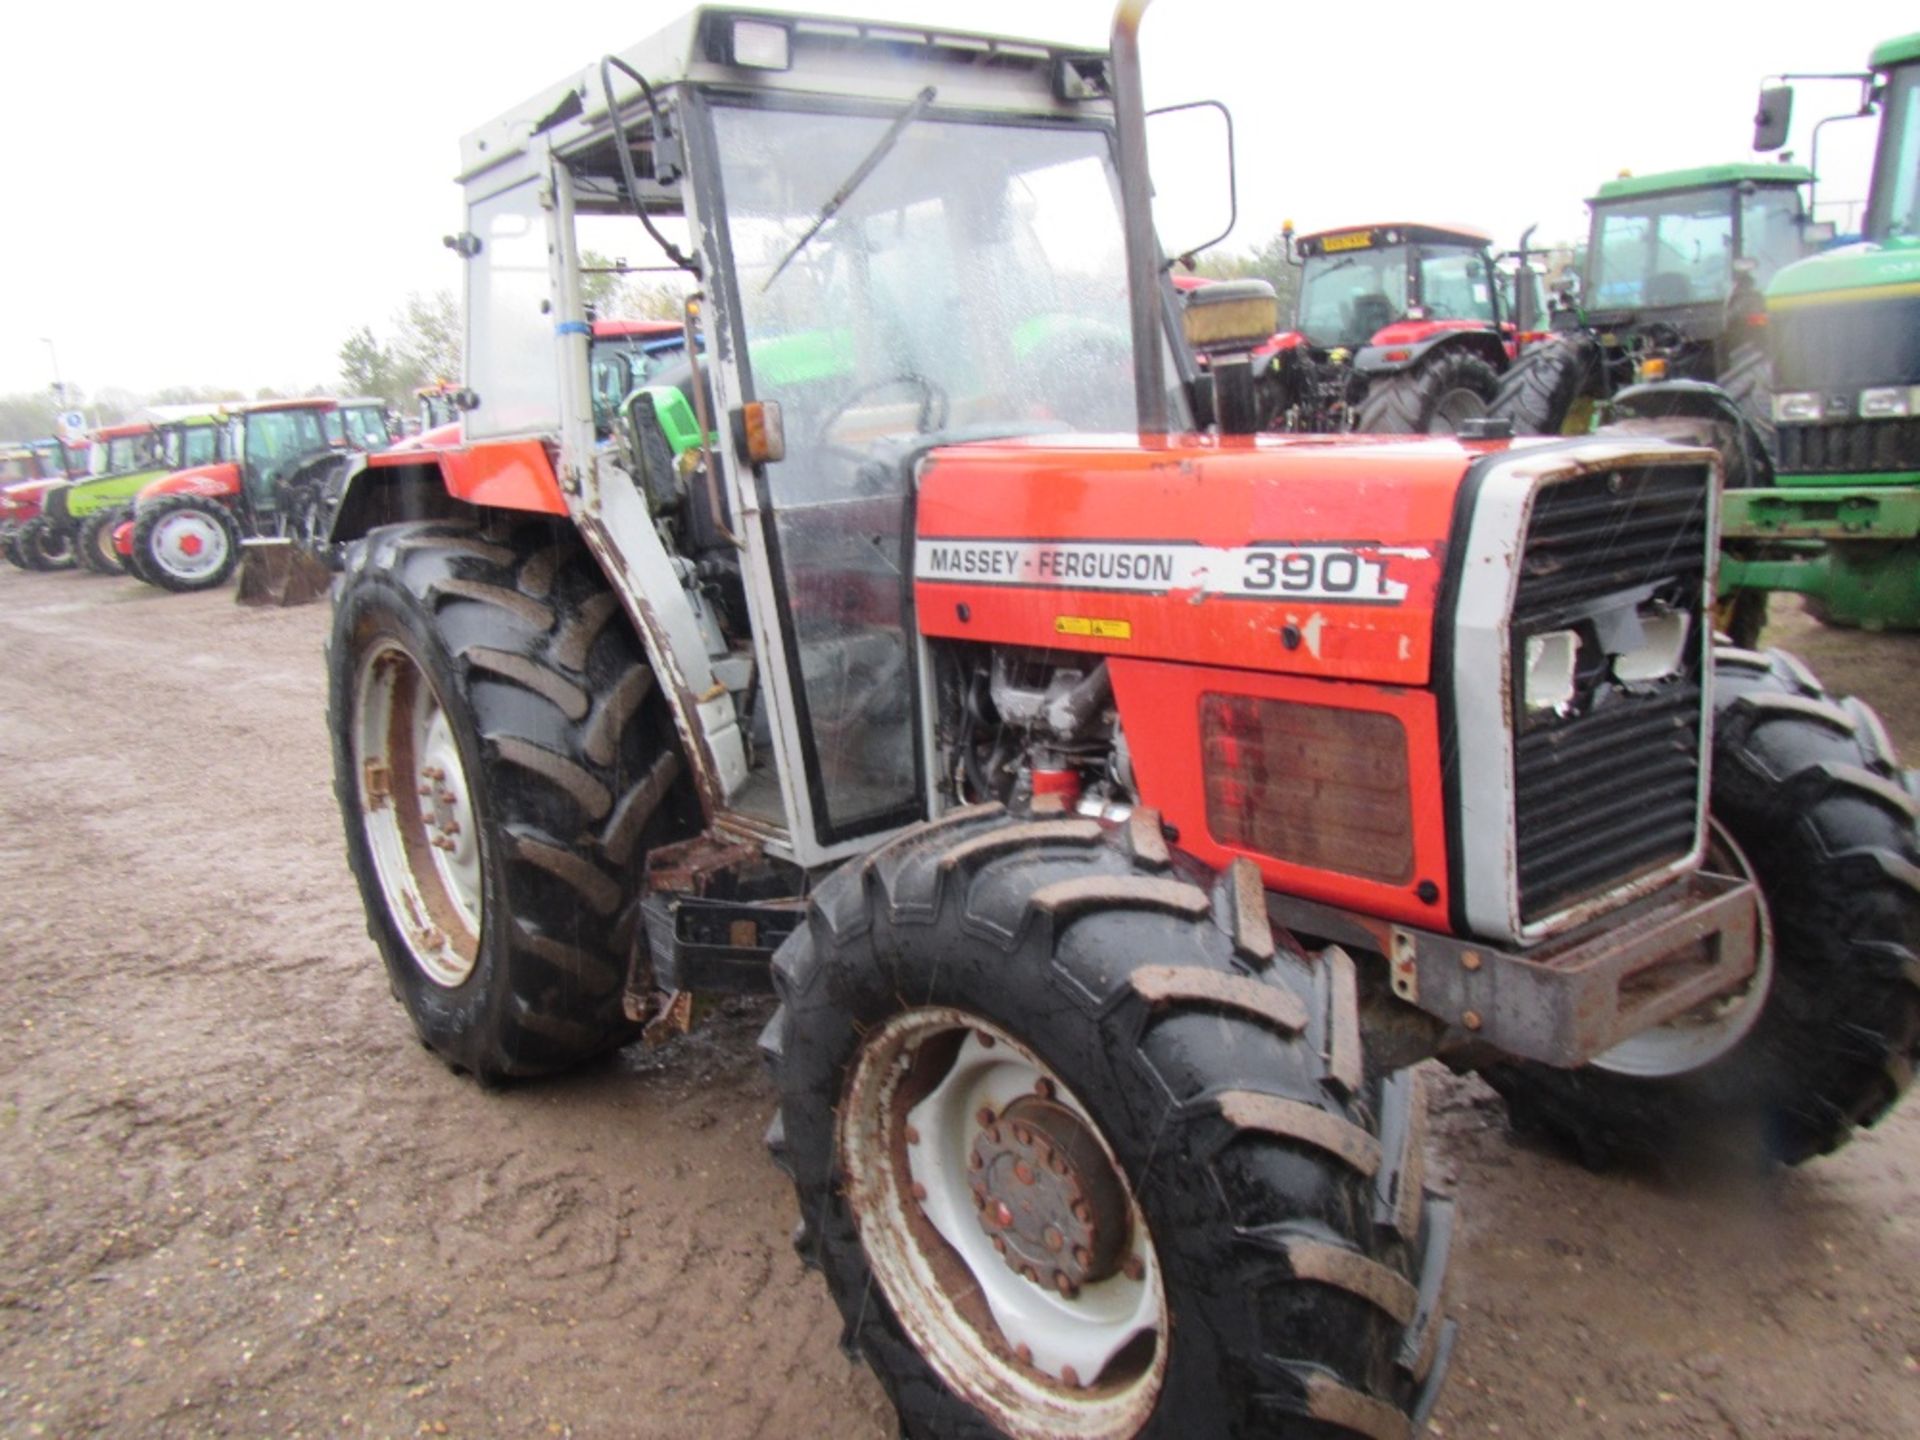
1190	152
1771	120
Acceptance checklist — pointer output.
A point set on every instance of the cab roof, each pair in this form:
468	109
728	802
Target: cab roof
198	413
301	402
1416	231
1702	177
361	402
1898	51
844	57
122	431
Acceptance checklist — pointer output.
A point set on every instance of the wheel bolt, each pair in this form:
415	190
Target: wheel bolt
1000	1243
1133	1269
1070	1376
1023	1172
1030	1275
1083	1212
1054	1240
1023	1352
913	1136
985	1117
1002	1214
974	1162
1083	1257
979	1198
919	1191
1022	1135
1063	1282
1043	1087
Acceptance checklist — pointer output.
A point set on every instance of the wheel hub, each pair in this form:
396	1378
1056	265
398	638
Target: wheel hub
1047	1196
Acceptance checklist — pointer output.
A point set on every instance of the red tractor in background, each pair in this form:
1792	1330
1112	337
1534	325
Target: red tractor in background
27	472
187	527
1398	329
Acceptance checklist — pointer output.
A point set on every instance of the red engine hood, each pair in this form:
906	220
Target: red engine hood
220	479
22	499
1310	555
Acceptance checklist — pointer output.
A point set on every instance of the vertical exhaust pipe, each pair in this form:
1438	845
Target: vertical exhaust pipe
1136	203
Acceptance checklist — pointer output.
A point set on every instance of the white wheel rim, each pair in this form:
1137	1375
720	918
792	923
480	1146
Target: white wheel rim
1040	1358
189	544
416	812
1708	1031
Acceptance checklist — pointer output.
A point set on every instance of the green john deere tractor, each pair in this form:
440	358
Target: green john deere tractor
1671	290
125	458
1840	522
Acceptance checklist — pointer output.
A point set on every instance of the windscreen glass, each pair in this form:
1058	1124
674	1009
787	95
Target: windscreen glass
972	282
1662	250
1455	284
1895	205
1346	297
1772	230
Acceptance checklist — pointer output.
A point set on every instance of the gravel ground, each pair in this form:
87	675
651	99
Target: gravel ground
239	1198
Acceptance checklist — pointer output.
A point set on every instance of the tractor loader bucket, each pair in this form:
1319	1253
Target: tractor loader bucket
279	572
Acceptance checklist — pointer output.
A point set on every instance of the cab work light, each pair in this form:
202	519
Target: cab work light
1310	785
757	45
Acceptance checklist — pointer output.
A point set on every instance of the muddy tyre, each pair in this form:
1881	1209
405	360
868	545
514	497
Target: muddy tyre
10	547
494	670
1221	1225
94	547
1748	381
185	543
46	546
1542	390
1825	1041
1432	397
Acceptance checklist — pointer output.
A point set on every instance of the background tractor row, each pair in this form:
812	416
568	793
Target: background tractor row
1117	805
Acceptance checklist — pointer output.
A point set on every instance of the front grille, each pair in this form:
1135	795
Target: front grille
1849	447
1844	346
1610	790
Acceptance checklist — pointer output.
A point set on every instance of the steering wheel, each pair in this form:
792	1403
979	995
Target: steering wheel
932	416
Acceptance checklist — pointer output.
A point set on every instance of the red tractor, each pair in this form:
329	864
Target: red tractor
27	472
1398	329
1117	805
187	526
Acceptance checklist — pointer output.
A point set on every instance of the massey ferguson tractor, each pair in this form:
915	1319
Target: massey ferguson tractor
1398	329
1118	804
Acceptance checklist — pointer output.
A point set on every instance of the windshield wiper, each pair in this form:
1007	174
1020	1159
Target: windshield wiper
853	182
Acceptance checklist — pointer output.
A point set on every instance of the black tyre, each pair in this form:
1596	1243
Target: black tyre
1806	792
1748	382
45	545
185	543
1548	389
1181	1176
1742	617
495	672
1432	397
94	547
10	547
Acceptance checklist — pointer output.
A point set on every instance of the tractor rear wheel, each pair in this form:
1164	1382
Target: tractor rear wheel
502	766
10	547
45	545
1809	801
1543	390
95	548
1080	1154
1431	397
186	543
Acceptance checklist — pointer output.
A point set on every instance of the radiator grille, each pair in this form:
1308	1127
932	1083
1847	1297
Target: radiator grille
1609	790
1849	447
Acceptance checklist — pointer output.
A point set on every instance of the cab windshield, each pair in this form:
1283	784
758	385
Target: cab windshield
1346	298
275	441
127	453
1662	250
366	428
1455	284
1894	208
973	283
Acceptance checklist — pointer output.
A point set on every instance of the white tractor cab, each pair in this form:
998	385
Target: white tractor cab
358	423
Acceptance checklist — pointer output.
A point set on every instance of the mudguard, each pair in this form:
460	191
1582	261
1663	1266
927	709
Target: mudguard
1403	345
1722	424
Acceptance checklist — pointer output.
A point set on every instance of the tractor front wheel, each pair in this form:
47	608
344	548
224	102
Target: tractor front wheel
45	545
95	548
502	767
1080	1154
185	543
1432	397
10	547
1809	802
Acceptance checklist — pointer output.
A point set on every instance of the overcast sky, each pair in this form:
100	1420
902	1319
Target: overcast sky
200	193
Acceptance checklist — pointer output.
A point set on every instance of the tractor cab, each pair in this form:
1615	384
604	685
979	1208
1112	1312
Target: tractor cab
1676	254
359	423
269	440
624	356
436	405
1396	328
124	449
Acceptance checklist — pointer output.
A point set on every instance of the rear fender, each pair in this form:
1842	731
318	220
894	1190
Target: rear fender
1702	414
1393	351
395	486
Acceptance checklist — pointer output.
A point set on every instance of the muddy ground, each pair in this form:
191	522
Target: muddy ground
237	1198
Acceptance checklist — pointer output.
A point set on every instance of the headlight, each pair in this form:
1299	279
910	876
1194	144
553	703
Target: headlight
1797	405
1662	646
1887	403
1551	660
